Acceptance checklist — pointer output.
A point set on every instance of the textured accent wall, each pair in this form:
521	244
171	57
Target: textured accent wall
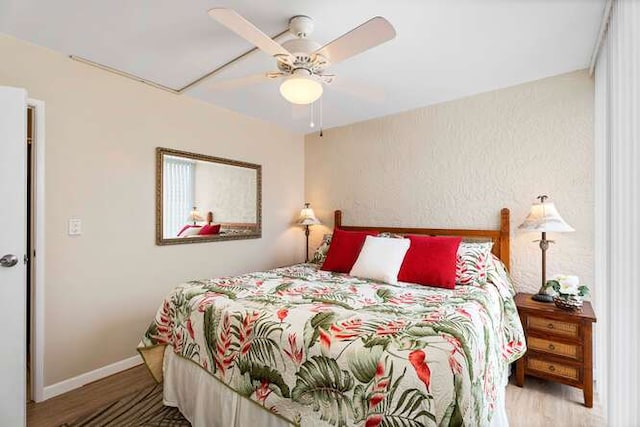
456	164
103	288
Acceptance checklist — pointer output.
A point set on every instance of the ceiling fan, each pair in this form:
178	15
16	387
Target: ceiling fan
302	62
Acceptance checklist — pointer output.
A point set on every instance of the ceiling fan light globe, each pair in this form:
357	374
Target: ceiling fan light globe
301	89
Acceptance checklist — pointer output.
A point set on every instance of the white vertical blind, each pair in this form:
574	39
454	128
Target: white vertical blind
602	160
618	182
178	193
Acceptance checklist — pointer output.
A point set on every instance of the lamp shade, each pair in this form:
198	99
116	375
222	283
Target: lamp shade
301	88
544	217
307	216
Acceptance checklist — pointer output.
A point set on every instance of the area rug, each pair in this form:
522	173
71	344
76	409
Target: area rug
143	408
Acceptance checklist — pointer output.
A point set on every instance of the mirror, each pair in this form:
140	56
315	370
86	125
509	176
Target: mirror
203	198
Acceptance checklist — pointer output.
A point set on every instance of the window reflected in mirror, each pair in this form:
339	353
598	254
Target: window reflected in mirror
203	198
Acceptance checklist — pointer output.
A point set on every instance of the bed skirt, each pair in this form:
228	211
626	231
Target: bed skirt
207	402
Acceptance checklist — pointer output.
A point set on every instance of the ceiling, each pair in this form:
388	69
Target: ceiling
444	49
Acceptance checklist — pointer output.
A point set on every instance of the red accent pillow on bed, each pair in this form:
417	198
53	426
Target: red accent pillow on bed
209	229
431	261
344	250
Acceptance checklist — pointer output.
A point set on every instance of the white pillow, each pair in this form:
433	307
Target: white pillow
380	259
193	230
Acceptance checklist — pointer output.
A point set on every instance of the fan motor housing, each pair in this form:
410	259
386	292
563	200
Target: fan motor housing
301	46
303	50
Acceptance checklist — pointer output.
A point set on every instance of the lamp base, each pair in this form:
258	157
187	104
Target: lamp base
542	298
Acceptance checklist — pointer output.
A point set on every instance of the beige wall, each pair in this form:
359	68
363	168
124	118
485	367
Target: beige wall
102	288
227	191
456	164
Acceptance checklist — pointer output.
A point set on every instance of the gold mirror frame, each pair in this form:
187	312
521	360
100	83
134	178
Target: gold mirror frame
160	240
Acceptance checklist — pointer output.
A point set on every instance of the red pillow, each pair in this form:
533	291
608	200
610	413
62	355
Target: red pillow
431	261
344	250
209	229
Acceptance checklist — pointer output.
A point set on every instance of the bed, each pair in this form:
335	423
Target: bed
302	346
194	231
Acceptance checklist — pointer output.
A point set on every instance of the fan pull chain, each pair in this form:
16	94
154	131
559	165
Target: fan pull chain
312	110
320	117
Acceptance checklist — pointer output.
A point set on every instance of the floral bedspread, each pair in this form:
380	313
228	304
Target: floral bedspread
320	348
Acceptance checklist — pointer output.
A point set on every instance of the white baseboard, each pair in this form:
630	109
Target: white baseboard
89	377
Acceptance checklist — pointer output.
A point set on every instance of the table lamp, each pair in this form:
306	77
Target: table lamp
544	217
307	217
195	215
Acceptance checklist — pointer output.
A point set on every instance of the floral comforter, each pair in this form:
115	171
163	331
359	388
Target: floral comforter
320	348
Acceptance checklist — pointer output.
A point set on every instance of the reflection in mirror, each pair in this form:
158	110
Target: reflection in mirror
203	198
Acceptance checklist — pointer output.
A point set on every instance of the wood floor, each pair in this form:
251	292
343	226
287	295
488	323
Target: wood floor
539	403
543	404
90	398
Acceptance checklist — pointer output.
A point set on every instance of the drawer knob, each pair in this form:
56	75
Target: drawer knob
552	368
552	347
550	326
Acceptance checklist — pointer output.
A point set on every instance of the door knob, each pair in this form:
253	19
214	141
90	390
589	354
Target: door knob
8	260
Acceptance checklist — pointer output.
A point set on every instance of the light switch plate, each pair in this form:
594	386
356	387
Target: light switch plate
75	227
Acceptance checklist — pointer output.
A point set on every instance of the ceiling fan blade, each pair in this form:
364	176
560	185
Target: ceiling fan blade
245	29
357	89
241	81
370	34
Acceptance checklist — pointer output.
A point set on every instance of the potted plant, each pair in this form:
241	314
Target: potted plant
569	292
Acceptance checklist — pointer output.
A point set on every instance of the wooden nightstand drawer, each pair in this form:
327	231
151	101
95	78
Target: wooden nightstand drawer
572	351
555	327
553	368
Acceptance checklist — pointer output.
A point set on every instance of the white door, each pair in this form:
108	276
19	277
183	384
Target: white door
13	212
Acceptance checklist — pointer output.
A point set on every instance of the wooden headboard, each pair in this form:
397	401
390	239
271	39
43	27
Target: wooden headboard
233	225
500	237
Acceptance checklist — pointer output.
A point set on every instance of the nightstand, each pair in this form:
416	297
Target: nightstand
559	344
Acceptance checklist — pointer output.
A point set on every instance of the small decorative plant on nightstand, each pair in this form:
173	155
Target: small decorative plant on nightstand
569	292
